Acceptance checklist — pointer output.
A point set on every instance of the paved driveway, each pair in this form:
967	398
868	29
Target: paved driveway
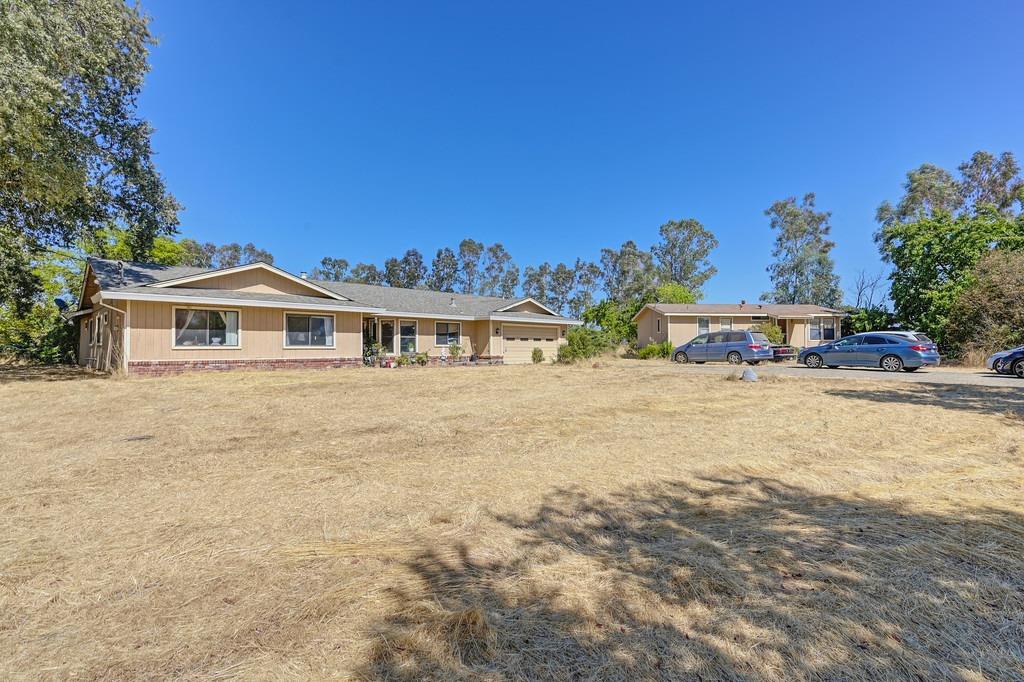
958	376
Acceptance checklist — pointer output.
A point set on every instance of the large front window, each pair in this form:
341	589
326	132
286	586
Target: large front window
407	336
703	325
447	333
309	330
205	328
823	329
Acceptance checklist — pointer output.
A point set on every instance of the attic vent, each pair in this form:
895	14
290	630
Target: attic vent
120	271
304	275
452	304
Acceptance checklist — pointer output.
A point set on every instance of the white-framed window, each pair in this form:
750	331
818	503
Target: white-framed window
725	324
302	330
447	333
828	328
205	328
657	325
703	325
407	336
387	335
822	329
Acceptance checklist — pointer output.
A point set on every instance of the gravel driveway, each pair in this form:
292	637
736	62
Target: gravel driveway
941	375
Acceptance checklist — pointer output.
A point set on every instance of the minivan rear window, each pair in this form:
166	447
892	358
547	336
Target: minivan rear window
759	337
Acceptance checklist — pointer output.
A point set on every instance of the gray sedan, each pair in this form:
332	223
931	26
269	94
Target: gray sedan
891	353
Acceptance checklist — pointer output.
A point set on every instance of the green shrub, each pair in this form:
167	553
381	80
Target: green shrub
770	329
403	360
422	359
656	350
582	343
454	351
538	356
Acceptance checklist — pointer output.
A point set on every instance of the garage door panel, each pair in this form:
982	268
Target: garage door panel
521	340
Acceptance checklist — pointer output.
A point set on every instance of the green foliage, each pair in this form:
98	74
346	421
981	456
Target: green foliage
772	330
933	257
36	331
444	271
803	271
988	314
408	271
656	350
683	254
537	356
372	353
583	343
76	157
867	320
454	351
672	292
501	275
403	360
422	359
614	319
629	273
331	270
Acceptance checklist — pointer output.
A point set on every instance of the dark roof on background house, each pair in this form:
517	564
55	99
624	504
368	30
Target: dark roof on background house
138	278
775	309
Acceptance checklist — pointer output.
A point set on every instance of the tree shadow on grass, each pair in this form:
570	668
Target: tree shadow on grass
731	578
982	399
10	373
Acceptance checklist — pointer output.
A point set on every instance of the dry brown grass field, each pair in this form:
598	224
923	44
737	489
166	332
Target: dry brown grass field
626	521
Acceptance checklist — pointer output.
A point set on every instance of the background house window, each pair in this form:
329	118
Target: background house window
309	330
407	336
828	329
447	333
725	324
657	325
205	327
814	330
703	325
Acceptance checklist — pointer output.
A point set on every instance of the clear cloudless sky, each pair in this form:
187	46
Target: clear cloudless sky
362	129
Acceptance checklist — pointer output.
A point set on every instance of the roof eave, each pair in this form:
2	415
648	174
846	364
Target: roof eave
118	295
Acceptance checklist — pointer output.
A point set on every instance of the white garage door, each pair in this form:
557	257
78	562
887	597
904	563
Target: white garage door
521	340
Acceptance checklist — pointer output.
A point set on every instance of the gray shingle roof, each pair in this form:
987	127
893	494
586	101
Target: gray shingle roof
423	301
394	299
779	310
137	274
231	296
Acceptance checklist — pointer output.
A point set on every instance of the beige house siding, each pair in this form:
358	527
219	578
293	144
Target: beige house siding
261	335
682	329
647	331
527	307
257	281
104	351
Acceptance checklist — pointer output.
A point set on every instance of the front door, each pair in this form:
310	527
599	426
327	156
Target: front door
369	331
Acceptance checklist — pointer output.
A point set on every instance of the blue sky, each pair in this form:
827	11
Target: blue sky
360	130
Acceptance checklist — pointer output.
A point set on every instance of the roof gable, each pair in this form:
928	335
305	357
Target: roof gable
253	277
527	305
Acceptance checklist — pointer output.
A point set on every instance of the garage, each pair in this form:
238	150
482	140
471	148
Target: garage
520	340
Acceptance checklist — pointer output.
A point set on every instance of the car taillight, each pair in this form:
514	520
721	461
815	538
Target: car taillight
754	346
920	348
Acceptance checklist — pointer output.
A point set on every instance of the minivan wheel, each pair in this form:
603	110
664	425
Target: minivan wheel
681	357
813	361
734	358
891	363
1018	369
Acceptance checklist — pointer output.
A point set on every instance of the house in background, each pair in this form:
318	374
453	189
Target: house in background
802	325
152	319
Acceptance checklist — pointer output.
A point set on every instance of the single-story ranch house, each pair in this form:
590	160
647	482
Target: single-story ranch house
142	318
802	325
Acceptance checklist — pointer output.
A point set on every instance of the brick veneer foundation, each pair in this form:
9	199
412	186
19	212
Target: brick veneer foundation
162	367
